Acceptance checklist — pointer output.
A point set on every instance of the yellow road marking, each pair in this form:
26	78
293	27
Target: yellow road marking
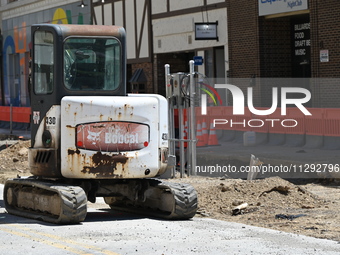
60	246
54	237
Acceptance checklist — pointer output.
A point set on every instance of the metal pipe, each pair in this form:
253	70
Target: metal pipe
192	119
181	141
170	116
11	118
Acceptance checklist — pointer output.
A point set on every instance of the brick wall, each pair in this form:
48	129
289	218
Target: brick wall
243	44
264	47
325	34
243	38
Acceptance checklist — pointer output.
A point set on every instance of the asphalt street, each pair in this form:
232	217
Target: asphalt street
108	232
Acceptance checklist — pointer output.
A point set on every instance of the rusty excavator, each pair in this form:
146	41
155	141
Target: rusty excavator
89	138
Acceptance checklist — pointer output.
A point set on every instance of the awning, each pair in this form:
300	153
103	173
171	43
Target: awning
138	76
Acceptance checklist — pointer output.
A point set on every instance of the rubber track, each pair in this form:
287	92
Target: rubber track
73	207
185	201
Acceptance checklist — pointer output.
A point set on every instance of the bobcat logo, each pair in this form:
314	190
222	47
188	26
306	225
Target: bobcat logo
94	137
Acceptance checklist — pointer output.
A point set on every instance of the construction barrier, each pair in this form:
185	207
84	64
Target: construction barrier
331	122
228	133
321	129
314	128
277	134
295	132
19	114
218	112
199	137
212	140
239	123
332	129
260	127
205	132
20	117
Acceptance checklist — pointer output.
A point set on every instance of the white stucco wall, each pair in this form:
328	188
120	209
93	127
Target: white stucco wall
158	6
174	32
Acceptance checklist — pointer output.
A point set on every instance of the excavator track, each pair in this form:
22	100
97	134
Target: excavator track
167	200
47	201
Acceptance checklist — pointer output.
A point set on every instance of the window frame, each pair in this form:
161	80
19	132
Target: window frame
117	82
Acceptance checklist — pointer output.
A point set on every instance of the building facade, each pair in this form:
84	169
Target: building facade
287	39
235	39
162	32
159	32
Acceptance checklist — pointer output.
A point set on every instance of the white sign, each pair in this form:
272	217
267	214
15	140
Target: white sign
206	31
324	56
268	7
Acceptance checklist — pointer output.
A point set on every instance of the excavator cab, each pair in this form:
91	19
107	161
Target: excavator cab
89	138
69	60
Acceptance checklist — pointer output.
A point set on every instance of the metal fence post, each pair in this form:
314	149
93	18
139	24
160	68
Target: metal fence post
171	127
192	119
11	119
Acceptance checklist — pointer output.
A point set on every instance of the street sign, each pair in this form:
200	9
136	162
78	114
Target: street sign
206	31
198	60
324	56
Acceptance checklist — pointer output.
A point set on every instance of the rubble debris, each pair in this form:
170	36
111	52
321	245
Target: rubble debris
203	212
238	209
284	190
254	167
288	217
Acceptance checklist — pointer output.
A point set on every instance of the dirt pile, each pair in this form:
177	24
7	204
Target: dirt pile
309	208
14	160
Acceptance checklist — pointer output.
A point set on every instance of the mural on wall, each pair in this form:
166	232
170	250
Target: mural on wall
17	45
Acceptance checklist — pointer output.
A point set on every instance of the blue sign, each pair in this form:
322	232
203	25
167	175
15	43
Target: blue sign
198	60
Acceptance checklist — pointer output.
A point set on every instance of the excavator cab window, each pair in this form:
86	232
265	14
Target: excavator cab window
43	62
92	63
